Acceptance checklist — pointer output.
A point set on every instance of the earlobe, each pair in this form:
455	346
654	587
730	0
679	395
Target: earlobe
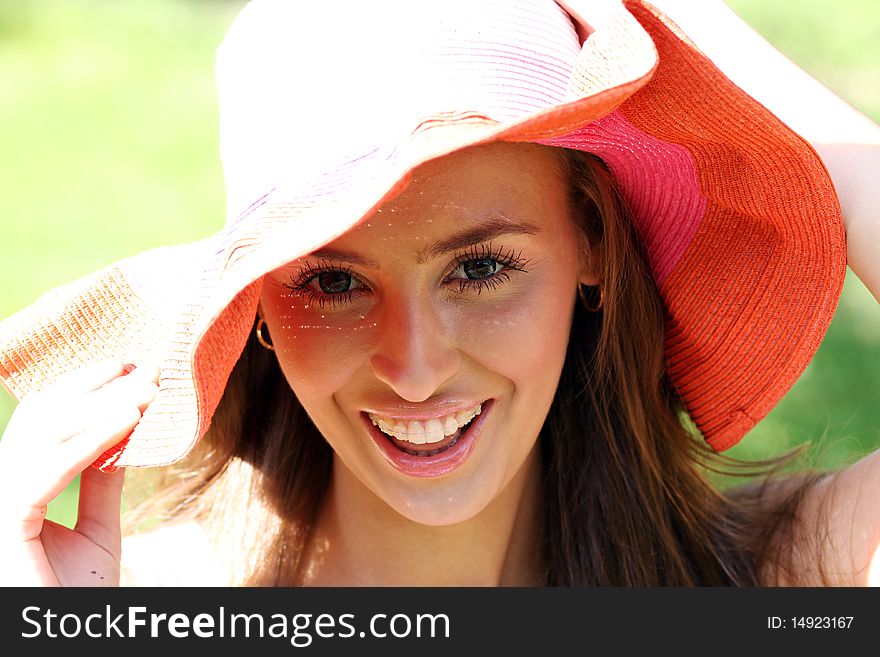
588	278
588	270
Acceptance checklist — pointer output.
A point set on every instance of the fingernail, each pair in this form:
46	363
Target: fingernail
146	370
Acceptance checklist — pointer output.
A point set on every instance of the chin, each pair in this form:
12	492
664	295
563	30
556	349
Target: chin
442	505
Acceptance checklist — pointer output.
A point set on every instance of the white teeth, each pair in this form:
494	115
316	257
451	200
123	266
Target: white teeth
416	432
463	417
430	431
433	431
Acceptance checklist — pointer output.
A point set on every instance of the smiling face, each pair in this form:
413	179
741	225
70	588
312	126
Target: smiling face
426	343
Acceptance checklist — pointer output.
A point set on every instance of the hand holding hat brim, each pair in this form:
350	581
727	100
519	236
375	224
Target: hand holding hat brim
52	437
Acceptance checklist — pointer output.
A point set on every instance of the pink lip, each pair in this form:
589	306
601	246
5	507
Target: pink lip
423	412
430	466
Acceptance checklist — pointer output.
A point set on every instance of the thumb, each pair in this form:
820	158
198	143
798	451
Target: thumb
100	502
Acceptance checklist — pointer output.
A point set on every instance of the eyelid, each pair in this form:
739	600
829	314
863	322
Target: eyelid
510	258
300	284
308	271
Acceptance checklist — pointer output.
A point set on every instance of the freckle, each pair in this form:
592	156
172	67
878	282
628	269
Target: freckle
94	572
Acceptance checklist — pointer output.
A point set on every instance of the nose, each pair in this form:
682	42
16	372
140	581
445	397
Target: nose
414	351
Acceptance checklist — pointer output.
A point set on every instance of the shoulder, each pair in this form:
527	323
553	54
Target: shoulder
841	519
826	529
178	554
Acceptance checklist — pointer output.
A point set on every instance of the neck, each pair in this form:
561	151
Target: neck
361	541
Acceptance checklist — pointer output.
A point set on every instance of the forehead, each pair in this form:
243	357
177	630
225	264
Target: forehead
481	172
518	184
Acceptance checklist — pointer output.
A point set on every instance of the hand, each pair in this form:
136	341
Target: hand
51	437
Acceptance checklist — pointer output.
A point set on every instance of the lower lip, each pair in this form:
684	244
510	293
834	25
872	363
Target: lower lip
438	464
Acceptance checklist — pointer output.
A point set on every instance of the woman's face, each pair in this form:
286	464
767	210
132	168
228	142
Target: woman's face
426	343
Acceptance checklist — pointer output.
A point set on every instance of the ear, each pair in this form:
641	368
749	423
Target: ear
589	266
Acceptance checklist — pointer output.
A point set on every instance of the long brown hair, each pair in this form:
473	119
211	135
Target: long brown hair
628	492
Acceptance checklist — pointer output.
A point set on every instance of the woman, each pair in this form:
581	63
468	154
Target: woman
496	340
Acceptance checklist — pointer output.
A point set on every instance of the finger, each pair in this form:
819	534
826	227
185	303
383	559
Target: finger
100	502
46	421
70	458
77	382
145	372
84	379
83	413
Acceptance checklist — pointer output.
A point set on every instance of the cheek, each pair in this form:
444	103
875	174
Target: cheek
523	336
317	351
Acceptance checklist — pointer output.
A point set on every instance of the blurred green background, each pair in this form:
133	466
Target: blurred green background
108	146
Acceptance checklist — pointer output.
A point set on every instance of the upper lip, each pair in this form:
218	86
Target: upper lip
422	411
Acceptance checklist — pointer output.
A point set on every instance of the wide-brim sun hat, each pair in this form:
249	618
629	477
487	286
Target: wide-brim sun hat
327	108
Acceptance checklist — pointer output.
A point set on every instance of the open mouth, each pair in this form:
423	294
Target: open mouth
428	438
431	447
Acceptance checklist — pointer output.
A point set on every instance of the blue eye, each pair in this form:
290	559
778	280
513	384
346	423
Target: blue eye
481	269
334	282
326	285
485	267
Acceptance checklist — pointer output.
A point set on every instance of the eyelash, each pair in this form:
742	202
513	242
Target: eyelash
509	259
299	284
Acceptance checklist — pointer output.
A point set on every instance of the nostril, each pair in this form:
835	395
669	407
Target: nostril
385	368
416	378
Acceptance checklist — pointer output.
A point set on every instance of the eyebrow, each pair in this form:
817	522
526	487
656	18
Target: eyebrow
486	231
